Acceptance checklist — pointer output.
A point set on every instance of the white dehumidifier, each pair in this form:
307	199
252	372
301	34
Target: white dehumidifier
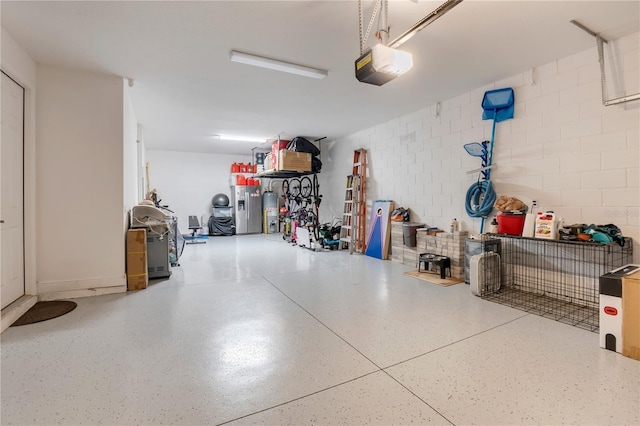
484	273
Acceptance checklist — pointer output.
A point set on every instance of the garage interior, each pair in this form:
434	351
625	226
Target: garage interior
318	245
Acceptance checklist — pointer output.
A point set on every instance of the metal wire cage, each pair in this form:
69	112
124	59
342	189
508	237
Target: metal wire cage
557	279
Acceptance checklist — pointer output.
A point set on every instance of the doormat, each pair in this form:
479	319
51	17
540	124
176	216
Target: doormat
43	311
433	278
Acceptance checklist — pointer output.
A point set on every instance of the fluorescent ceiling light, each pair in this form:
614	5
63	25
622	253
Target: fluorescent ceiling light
273	64
240	138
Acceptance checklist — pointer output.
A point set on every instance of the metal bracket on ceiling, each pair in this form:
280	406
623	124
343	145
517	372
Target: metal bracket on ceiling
600	45
364	37
586	30
404	37
421	24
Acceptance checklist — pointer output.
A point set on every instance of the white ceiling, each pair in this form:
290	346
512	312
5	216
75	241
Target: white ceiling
186	89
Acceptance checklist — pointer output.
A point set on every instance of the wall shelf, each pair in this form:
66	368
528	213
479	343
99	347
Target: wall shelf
281	174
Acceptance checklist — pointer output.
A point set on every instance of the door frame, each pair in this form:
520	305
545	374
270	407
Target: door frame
24	285
25	76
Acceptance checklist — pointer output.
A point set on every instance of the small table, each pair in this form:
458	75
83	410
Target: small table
442	261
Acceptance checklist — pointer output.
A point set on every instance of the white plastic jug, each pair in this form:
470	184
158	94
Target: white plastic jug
546	226
529	227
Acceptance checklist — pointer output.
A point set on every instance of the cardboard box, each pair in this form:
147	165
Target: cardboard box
294	161
410	256
610	307
275	149
631	315
137	274
277	146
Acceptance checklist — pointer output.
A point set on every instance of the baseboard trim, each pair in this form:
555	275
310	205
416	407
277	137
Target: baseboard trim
45	287
15	310
57	290
84	292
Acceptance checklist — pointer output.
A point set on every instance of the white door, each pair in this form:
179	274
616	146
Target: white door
12	191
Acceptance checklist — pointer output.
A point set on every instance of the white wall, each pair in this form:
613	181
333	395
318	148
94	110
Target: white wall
18	65
80	180
187	181
141	165
563	148
130	154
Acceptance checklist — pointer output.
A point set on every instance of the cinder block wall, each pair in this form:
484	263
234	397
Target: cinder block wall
562	148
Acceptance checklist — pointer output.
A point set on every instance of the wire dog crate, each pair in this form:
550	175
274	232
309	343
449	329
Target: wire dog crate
557	279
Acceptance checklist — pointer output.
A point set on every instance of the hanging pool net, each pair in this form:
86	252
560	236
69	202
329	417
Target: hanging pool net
498	105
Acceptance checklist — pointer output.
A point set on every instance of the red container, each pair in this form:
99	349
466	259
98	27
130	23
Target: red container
241	180
275	148
511	223
278	145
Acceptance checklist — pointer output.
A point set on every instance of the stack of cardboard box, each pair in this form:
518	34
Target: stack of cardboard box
286	160
275	149
410	256
429	240
397	245
137	273
445	244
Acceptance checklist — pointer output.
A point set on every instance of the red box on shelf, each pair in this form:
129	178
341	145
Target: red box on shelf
275	148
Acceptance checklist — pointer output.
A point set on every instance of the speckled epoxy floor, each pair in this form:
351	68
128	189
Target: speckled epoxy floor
250	330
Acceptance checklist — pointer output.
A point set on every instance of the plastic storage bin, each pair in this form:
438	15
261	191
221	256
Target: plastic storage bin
409	233
511	223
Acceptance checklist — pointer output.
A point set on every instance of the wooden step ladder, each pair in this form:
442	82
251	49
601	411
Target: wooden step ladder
353	230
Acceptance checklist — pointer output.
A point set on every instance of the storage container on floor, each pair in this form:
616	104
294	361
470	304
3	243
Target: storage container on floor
409	233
